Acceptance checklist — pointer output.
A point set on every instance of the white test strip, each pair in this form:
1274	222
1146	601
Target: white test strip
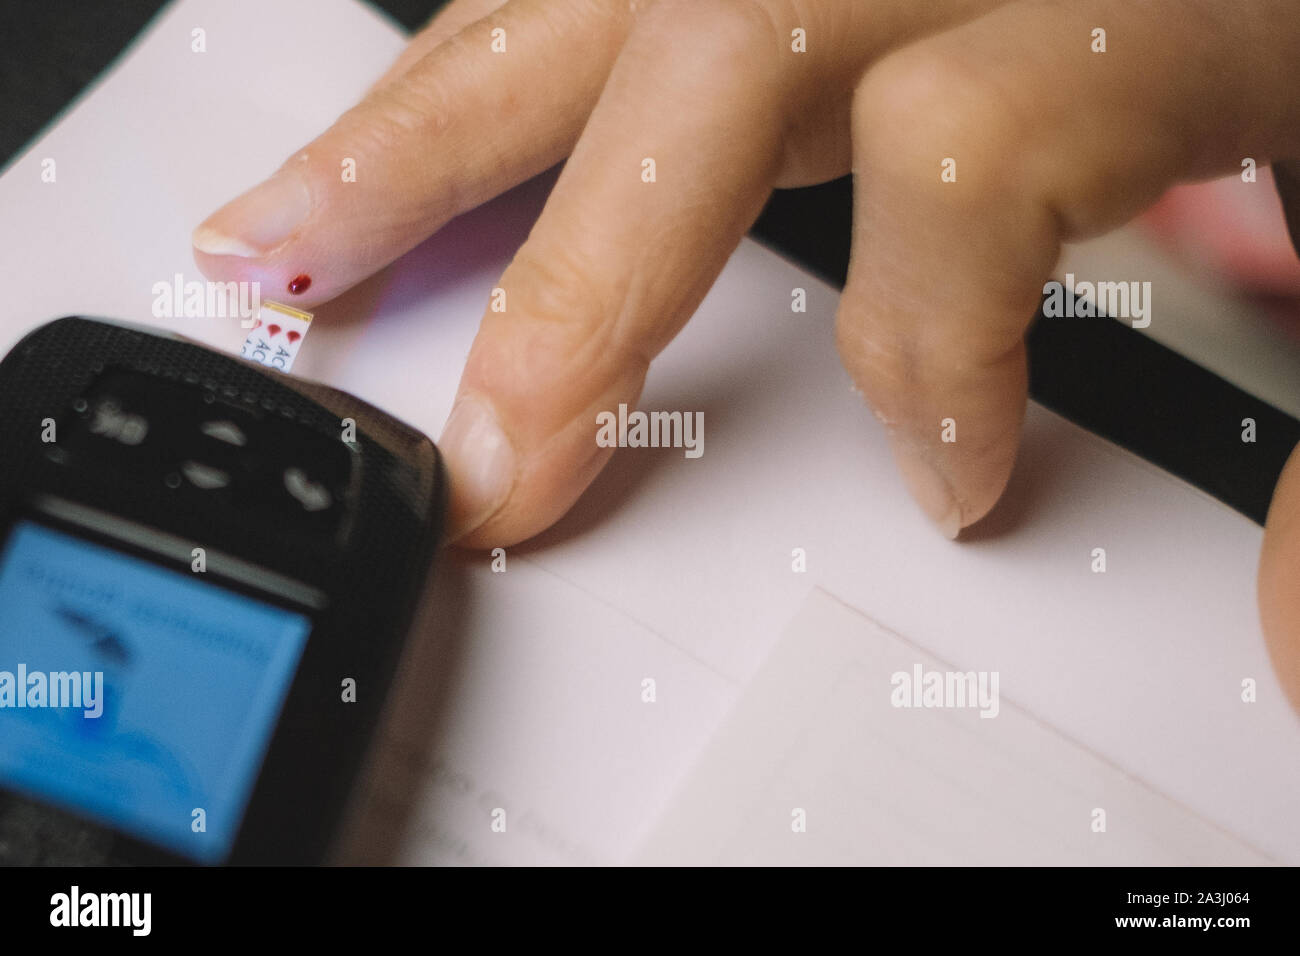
276	336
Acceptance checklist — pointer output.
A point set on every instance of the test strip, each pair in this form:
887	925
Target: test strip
276	336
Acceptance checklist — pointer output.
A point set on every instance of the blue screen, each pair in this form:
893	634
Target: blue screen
188	679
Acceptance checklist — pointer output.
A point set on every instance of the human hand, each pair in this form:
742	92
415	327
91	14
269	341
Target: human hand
1050	142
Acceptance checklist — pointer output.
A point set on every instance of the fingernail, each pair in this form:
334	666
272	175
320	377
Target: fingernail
481	462
258	221
929	488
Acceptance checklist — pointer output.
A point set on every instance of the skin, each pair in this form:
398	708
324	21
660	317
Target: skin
1052	142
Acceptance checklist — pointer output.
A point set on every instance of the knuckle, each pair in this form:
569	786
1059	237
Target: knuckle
882	361
388	119
717	35
559	329
418	106
914	384
920	105
558	287
575	18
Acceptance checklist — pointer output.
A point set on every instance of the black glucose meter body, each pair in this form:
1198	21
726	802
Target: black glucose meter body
207	575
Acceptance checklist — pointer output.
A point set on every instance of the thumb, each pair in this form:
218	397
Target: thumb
1279	579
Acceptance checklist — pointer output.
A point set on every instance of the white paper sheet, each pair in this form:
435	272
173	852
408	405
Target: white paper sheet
670	568
862	764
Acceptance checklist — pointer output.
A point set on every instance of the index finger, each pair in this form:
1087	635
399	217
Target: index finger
501	101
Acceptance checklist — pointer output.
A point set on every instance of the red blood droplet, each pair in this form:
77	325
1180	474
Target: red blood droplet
293	336
299	284
273	330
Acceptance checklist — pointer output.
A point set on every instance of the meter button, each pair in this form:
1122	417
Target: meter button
311	495
225	430
204	476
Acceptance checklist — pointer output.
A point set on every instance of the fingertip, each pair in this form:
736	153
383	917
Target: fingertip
955	491
255	224
261	237
481	462
302	285
929	489
210	244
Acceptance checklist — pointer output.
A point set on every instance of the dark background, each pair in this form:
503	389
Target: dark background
1103	375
